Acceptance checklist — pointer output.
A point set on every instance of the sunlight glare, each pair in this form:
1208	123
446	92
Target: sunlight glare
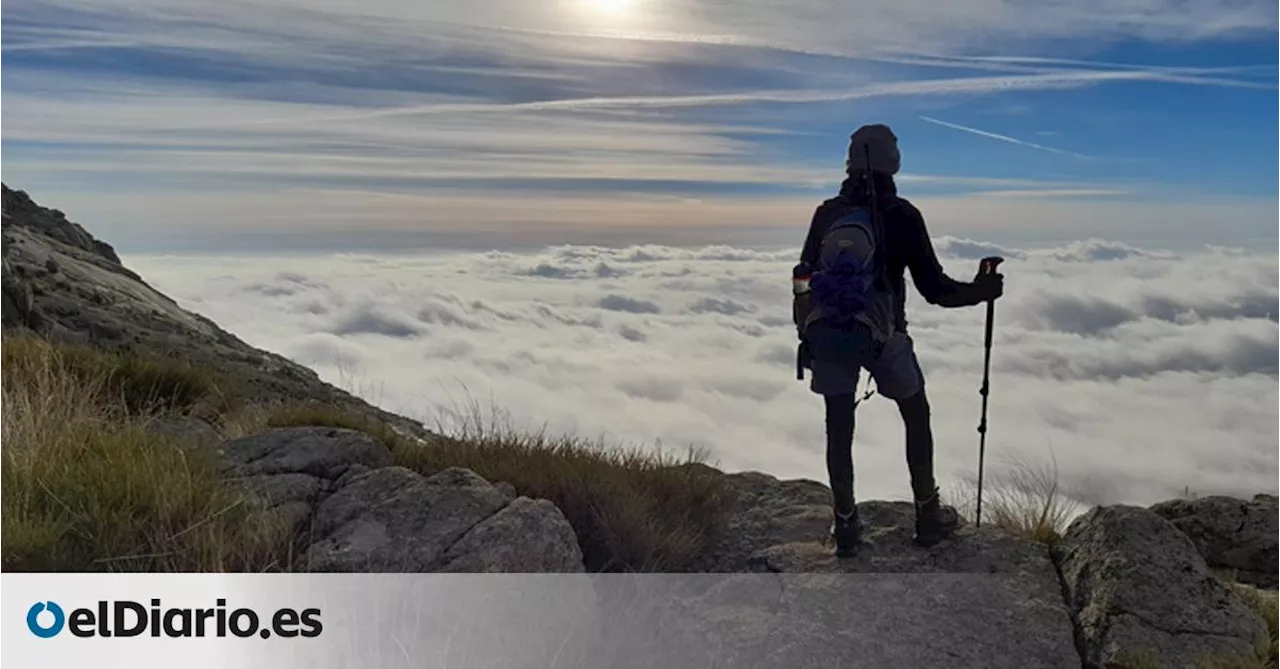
610	6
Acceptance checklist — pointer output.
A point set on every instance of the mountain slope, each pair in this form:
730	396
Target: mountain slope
62	283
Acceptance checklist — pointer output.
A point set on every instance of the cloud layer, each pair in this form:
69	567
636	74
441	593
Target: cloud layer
1143	373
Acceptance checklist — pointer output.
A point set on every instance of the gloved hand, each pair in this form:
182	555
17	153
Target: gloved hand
988	287
804	359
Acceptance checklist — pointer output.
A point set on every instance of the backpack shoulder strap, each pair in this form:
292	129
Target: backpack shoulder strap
878	229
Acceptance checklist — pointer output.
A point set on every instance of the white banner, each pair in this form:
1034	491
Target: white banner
321	620
496	621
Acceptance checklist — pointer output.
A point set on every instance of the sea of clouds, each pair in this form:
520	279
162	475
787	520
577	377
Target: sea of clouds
1143	374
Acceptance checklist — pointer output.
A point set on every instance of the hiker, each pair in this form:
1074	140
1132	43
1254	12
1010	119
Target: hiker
846	326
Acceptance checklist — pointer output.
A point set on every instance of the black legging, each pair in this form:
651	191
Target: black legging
915	417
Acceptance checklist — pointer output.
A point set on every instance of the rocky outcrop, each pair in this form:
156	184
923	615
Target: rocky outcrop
61	283
766	512
1144	597
547	544
352	510
395	520
1234	534
54	224
291	470
320	452
1123	589
888	549
17	301
19	310
982	599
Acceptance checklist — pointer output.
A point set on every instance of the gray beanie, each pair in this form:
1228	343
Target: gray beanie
885	158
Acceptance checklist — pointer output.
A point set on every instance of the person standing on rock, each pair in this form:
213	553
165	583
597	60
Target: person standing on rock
850	311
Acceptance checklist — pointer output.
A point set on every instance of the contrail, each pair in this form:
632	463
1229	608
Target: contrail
1071	79
1005	138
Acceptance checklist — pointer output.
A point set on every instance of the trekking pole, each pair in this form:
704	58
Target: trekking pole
985	268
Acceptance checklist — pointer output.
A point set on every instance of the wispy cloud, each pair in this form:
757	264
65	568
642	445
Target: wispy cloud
1004	138
923	87
1052	193
463	102
859	51
948	27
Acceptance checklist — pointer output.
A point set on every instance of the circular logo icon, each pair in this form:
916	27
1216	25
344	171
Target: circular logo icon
45	631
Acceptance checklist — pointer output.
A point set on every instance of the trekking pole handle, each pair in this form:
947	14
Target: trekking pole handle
988	265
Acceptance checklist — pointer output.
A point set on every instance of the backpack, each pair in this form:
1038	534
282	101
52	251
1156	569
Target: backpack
848	285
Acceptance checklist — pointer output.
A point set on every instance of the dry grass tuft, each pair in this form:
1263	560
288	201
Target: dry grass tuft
86	487
632	509
1023	498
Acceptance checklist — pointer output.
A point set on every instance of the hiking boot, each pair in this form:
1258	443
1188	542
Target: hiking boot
847	533
934	521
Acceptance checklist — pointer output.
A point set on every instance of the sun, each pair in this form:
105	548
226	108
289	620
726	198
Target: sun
611	6
609	15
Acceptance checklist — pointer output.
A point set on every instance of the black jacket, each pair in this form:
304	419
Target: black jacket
906	245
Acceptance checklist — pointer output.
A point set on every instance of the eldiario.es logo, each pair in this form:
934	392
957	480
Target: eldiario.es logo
124	618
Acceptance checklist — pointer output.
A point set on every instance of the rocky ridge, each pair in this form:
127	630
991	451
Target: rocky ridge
61	283
1123	588
1232	534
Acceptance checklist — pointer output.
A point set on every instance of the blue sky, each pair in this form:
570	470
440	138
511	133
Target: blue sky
289	124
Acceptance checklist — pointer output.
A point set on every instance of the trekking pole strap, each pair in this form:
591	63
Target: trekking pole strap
865	396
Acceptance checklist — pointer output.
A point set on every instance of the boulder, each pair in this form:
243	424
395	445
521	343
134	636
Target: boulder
1235	534
350	510
290	498
289	470
323	452
394	520
765	512
1144	597
525	536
